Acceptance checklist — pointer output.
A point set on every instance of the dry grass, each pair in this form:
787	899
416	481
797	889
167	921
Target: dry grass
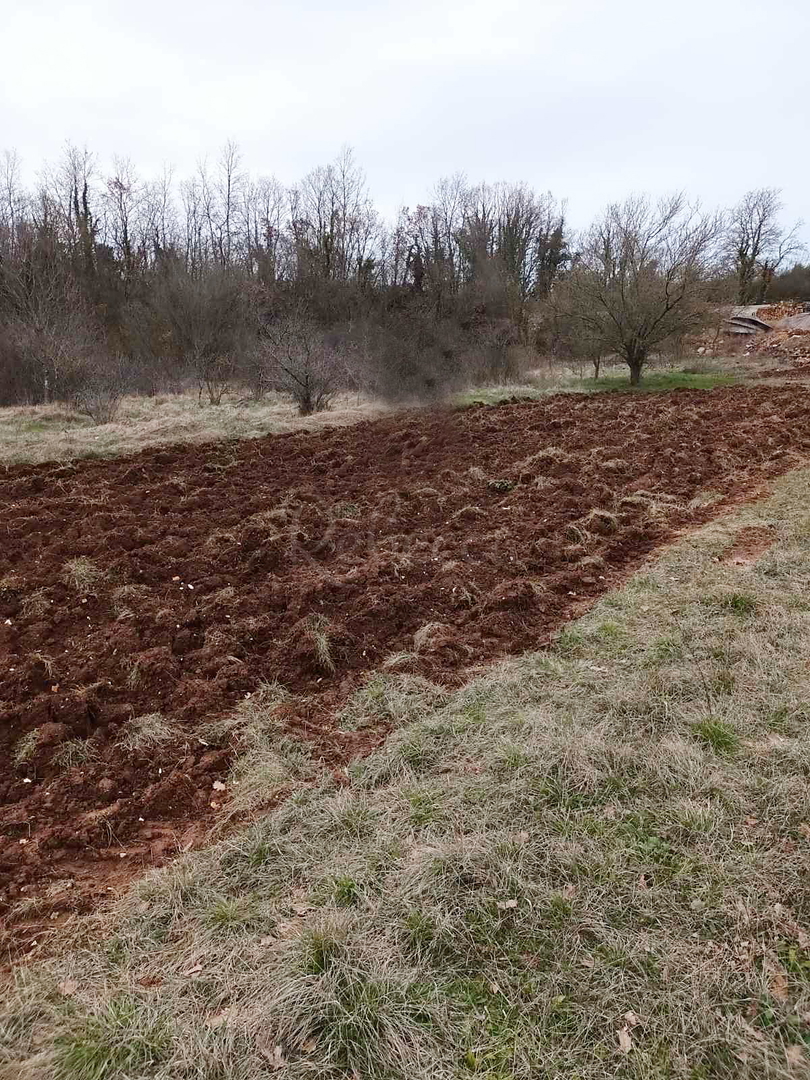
587	863
82	573
54	433
41	433
150	731
74	752
25	748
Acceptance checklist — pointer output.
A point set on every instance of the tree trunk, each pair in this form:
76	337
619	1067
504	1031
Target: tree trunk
635	361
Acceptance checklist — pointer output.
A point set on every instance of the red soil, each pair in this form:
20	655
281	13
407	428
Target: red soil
216	559
750	544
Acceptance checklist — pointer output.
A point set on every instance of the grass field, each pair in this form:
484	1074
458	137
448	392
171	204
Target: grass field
613	378
588	862
40	433
662	380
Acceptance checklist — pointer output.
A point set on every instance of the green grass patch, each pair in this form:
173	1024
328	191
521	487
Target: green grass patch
123	1039
718	735
658	380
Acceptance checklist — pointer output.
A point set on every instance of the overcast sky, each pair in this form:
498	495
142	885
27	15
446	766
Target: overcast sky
592	99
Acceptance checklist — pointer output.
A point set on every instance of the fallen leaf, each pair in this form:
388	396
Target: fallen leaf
217	1019
494	988
632	1019
309	1046
218	785
68	987
625	1040
274	1055
779	986
150	980
506	905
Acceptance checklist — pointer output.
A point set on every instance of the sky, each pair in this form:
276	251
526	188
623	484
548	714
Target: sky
590	99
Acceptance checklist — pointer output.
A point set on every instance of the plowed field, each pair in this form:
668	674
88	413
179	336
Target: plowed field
308	559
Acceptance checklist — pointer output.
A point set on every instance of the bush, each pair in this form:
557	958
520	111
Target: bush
100	392
299	359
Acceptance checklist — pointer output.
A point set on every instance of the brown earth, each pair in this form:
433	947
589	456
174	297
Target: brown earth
799	370
749	544
221	565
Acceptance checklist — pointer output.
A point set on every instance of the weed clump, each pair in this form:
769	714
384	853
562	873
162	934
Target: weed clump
82	573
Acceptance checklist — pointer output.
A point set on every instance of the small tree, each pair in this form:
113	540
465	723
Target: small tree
302	361
101	389
641	275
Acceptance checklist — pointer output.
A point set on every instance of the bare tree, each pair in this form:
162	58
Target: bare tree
333	222
756	244
12	203
206	324
264	239
124	200
300	360
641	275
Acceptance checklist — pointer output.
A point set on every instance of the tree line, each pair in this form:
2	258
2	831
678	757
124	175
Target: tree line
111	282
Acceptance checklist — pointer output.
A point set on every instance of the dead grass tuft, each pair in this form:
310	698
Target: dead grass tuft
35	604
316	633
82	573
74	752
600	521
25	748
150	731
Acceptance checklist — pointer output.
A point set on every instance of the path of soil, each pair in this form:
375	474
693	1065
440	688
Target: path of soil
221	566
750	544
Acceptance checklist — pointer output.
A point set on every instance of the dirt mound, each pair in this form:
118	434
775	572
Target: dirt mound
142	598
